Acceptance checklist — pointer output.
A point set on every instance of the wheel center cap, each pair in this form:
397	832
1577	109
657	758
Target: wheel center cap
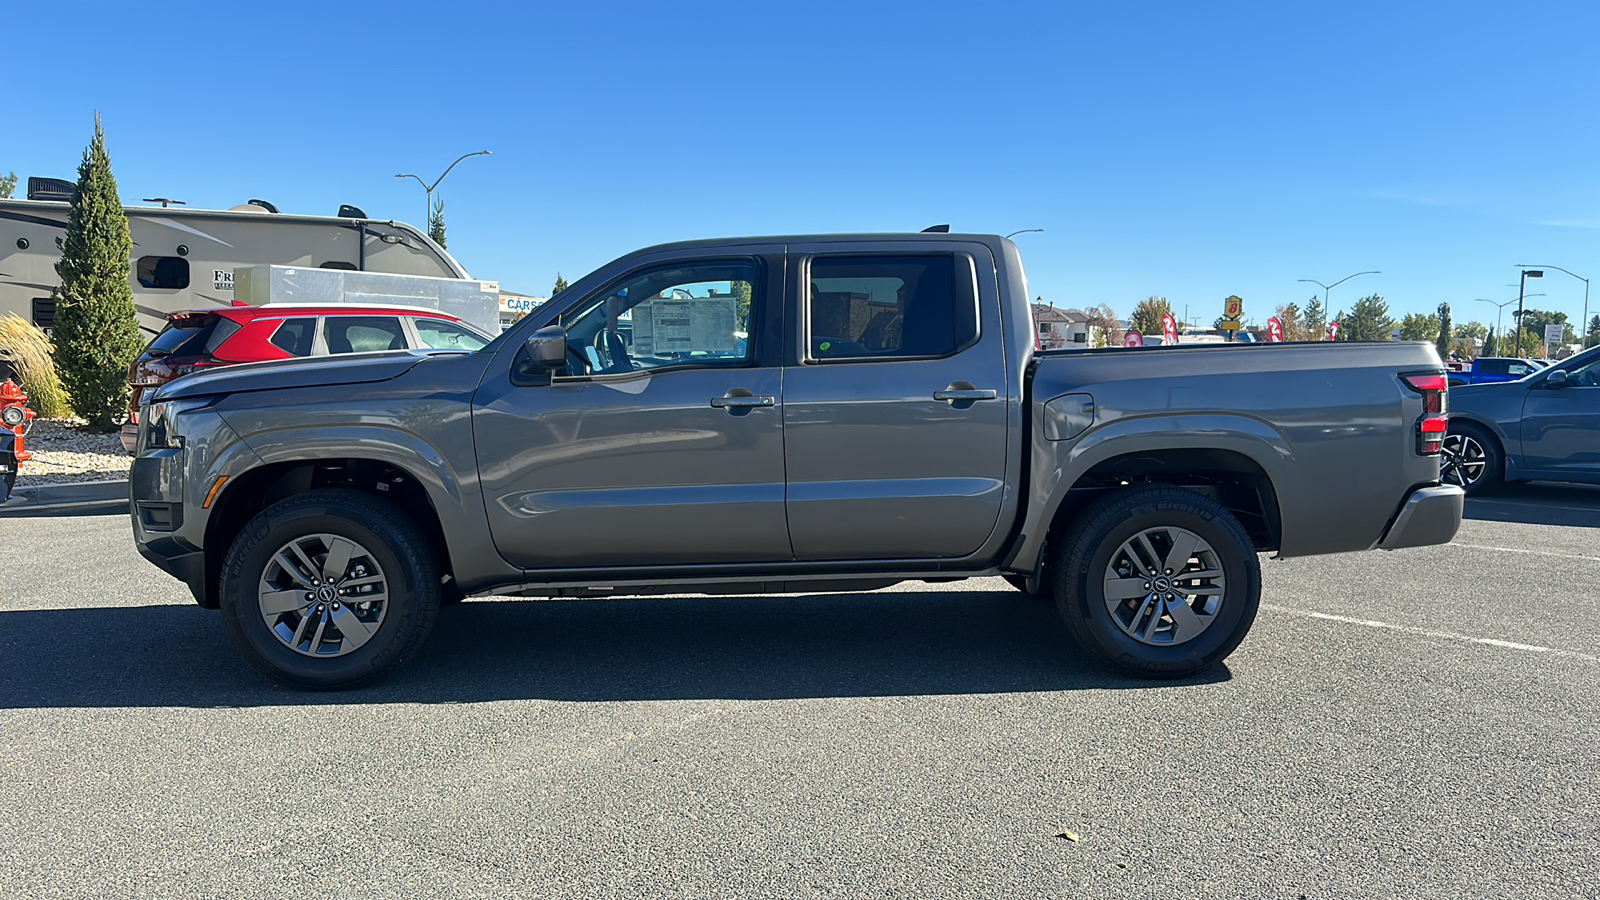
1163	584
326	594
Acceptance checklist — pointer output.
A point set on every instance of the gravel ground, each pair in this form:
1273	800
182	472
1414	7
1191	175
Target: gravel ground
63	452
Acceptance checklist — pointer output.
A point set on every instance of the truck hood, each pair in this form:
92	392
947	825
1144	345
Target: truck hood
319	371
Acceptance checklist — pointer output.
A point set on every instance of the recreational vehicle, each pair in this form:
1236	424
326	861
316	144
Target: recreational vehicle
184	258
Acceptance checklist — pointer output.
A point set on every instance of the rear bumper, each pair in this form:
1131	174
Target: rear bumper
1430	515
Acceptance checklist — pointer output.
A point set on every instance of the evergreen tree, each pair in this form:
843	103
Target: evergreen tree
1314	321
96	334
561	285
1593	336
436	223
1368	320
8	185
1445	334
1490	345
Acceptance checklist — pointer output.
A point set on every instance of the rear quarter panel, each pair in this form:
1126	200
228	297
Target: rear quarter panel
1330	424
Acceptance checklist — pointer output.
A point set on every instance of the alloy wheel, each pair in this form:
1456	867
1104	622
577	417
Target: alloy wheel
1462	460
1164	586
323	595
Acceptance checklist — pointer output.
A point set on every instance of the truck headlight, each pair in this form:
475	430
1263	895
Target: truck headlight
158	433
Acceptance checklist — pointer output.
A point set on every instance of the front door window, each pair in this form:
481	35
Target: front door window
695	315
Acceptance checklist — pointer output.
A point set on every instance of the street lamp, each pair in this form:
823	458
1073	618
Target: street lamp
1584	323
429	187
1500	307
1326	311
1522	283
1023	231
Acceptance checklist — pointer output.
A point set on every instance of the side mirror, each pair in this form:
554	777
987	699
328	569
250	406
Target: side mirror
1557	379
547	349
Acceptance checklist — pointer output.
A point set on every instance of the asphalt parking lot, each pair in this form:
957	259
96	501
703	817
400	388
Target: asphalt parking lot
1416	724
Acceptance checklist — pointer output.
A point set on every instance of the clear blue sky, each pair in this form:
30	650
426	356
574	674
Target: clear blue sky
1191	150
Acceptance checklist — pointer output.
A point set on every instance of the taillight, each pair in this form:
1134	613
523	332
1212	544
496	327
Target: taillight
1435	390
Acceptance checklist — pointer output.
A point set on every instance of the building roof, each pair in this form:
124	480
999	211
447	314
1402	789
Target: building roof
1043	312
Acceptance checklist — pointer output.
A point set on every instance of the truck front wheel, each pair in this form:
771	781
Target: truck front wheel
1159	581
329	589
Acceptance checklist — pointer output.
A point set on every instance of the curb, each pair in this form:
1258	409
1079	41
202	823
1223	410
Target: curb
71	498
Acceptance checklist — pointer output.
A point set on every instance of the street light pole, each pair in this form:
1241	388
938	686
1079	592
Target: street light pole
1521	284
1327	288
1500	308
1023	231
1583	325
429	187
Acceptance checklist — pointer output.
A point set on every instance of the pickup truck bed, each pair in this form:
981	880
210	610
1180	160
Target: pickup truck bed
780	414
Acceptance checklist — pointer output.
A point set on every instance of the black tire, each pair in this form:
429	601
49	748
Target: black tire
1087	552
386	534
1464	445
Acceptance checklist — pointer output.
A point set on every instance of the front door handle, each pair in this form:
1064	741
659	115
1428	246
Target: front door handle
961	394
953	395
739	401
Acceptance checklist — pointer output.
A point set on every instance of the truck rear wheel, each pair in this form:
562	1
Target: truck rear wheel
329	589
1158	581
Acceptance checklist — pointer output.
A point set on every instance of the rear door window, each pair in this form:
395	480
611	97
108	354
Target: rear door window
295	336
885	307
364	334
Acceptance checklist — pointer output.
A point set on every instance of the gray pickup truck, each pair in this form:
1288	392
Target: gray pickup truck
786	414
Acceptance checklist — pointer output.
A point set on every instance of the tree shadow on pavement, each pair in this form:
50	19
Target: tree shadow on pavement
1540	503
755	648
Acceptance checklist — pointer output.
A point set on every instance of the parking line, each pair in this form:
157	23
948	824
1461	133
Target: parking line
1516	550
1519	504
1423	632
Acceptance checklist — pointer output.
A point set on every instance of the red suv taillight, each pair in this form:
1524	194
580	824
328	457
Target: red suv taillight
1435	390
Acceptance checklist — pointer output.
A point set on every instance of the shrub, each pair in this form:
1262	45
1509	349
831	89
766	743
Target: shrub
27	350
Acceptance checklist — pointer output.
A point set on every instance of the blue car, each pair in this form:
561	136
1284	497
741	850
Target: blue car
1544	426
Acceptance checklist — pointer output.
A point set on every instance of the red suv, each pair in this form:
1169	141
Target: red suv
239	334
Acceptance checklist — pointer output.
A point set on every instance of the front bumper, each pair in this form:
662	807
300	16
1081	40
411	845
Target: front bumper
1431	515
157	491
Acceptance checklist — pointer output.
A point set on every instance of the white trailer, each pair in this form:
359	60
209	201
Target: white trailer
185	258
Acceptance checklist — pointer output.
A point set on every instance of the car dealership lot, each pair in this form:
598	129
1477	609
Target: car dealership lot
1422	723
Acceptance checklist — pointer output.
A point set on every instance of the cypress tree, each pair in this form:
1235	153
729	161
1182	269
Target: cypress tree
96	334
1445	331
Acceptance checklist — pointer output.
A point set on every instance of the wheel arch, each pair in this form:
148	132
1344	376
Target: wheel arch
1244	463
241	498
1230	477
1487	429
